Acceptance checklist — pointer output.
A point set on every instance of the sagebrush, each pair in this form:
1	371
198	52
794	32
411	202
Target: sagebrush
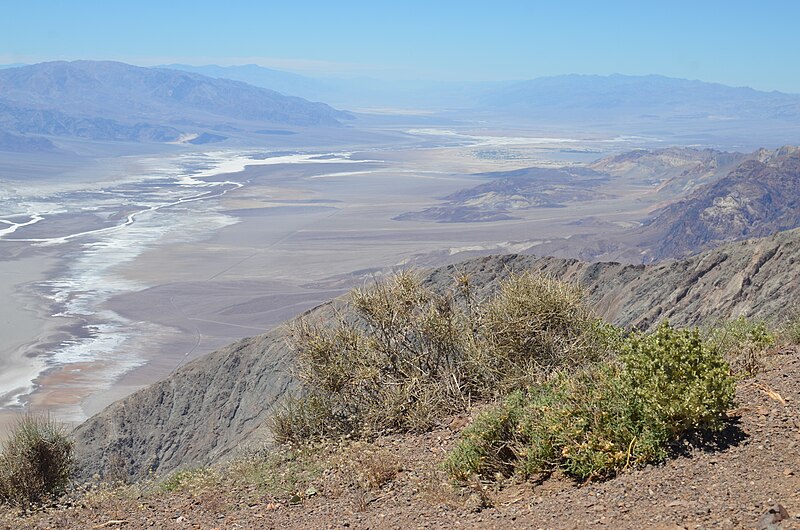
402	356
36	462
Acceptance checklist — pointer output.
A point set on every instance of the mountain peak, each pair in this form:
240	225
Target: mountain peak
105	99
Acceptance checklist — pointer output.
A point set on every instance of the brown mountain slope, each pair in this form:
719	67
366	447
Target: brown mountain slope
759	197
674	170
214	406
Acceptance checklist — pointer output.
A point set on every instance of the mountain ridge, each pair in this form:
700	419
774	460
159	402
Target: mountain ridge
107	100
220	404
760	196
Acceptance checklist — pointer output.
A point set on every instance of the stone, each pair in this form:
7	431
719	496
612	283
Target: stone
771	517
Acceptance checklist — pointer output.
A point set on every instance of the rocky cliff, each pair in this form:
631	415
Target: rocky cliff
219	404
759	197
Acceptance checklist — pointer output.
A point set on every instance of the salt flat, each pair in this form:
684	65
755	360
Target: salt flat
184	252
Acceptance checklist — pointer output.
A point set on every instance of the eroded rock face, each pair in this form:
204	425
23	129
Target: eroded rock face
219	404
197	415
674	170
759	197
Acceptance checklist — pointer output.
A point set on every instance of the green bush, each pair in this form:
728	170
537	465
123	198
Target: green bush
604	417
36	462
678	379
402	356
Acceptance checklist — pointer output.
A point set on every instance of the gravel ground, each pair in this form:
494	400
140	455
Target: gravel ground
732	482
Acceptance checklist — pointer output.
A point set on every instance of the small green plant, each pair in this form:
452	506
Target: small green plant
36	462
596	420
744	343
680	380
189	480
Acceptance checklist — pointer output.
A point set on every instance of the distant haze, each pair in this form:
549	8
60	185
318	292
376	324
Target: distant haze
102	100
737	43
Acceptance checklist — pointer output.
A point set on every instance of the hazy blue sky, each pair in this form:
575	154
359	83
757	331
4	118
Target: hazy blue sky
752	43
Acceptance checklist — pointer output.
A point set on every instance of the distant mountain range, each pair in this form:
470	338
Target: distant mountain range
567	96
116	101
680	111
277	80
360	93
591	97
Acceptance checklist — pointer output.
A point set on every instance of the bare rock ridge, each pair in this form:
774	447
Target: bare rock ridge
506	191
759	197
705	198
673	170
216	405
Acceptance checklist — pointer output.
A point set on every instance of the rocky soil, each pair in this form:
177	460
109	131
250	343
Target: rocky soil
747	478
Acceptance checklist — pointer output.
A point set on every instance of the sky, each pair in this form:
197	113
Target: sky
734	42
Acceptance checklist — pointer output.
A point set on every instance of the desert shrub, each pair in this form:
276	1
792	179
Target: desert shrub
533	325
680	383
393	366
596	420
36	462
789	329
491	444
744	343
189	480
403	356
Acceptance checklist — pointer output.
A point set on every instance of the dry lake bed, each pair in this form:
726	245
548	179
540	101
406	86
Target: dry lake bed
115	274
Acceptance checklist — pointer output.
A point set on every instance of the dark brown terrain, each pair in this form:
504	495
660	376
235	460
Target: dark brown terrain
507	191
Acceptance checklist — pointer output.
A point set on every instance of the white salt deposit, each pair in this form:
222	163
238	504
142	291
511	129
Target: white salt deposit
171	199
